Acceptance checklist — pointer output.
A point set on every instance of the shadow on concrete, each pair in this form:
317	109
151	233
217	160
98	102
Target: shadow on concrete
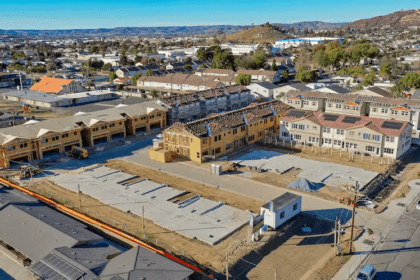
342	214
5	276
292	228
388	275
399	250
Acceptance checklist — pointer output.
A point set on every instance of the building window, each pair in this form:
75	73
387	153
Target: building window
265	121
384	111
346	107
301	127
142	118
65	135
338	106
198	155
271	119
228	146
95	129
337	142
314	127
112	125
313	139
326	130
374	110
305	102
120	123
135	119
388	151
329	105
75	133
282	215
389	139
54	138
351	132
152	116
297	137
327	141
158	114
290	101
297	102
314	103
370	148
404	113
242	128
355	108
217	151
260	133
294	125
235	131
11	148
284	134
44	140
286	124
24	145
340	131
295	207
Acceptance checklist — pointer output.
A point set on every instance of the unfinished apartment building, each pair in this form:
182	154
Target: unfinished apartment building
357	105
35	140
360	134
194	106
220	134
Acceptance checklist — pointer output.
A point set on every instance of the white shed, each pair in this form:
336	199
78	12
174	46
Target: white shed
280	210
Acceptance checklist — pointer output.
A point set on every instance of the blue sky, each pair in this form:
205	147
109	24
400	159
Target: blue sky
49	14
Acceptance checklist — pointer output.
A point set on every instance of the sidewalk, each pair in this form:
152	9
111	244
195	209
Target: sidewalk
394	213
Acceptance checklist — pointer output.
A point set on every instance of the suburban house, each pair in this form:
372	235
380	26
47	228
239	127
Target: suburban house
366	135
262	75
345	104
215	72
263	90
220	134
296	86
313	101
373	91
57	86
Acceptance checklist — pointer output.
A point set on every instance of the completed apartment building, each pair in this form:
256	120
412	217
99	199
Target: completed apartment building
361	134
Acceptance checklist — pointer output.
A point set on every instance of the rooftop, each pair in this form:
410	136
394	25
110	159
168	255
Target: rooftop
51	85
282	201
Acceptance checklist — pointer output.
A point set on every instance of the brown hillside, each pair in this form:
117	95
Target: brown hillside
397	19
258	34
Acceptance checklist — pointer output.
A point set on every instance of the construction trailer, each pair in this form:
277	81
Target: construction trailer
280	210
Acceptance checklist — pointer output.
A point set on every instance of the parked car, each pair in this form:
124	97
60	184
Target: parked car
368	272
418	205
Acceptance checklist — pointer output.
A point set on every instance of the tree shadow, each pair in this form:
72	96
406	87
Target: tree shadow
388	275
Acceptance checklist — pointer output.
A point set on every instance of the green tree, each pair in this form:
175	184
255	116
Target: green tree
112	76
368	81
411	80
243	79
154	93
385	69
135	78
187	66
201	54
137	59
273	66
223	60
305	76
285	75
397	89
107	67
188	60
149	73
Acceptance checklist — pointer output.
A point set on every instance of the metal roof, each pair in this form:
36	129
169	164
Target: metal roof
35	230
9	196
282	201
140	263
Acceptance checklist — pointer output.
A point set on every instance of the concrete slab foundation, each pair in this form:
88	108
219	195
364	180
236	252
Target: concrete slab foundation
330	174
196	218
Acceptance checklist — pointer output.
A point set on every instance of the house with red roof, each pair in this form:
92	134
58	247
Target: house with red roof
57	86
359	134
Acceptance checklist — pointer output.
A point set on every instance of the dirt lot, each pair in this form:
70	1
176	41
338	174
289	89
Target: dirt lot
209	256
294	254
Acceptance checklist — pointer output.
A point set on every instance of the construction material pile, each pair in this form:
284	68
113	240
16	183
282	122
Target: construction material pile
304	185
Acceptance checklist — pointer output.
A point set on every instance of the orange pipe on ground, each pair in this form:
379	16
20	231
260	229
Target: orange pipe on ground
89	220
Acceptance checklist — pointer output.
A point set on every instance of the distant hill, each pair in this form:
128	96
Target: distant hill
129	31
397	19
258	34
315	25
160	31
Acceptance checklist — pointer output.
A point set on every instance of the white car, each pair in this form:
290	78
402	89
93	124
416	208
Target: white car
368	272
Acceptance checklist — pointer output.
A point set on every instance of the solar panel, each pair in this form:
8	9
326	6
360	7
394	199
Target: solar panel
330	118
63	267
295	113
351	119
392	125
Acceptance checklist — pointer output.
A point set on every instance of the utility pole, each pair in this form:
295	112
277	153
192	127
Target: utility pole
335	234
352	220
227	267
142	220
275	274
80	199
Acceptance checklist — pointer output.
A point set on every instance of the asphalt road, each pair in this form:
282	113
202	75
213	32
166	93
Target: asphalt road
398	257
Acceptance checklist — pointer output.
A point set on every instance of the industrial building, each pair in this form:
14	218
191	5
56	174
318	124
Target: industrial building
38	139
57	86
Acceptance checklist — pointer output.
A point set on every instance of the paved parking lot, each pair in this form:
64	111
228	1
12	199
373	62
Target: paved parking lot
398	257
